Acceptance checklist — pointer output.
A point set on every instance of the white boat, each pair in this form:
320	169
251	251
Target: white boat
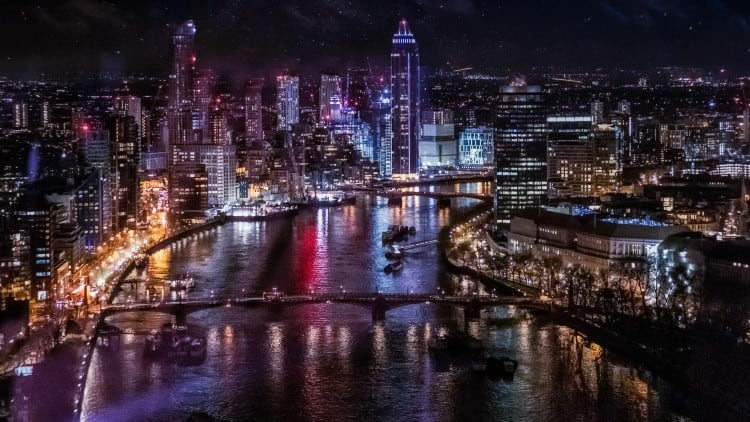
197	348
184	282
394	252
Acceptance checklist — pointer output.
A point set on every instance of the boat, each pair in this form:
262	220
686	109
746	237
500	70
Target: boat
503	366
394	267
197	348
174	342
152	347
395	233
438	342
394	252
183	282
141	260
479	365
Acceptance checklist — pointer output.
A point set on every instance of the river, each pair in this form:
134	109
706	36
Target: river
331	361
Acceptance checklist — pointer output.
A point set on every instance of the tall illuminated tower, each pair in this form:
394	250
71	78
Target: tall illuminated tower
405	100
520	151
180	104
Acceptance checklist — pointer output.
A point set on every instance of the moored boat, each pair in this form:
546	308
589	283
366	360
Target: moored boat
395	233
393	267
438	342
197	348
503	366
394	252
174	342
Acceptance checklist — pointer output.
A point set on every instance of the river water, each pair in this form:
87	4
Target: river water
330	361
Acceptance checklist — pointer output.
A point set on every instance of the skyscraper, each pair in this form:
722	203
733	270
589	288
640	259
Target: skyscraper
253	110
405	100
597	112
382	134
203	94
330	88
124	159
20	115
218	131
287	101
181	84
520	150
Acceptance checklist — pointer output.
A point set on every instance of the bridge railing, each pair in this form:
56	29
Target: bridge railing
361	297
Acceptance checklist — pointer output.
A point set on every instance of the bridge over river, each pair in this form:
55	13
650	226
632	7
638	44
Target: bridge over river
380	303
436	195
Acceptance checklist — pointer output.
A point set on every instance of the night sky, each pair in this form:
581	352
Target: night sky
255	37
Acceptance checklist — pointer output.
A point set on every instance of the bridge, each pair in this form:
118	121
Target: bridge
380	303
435	195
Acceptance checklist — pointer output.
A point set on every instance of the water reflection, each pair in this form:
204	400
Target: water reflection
325	362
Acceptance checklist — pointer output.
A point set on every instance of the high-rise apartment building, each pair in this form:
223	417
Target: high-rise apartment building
203	94
218	131
330	91
253	110
180	106
405	103
597	112
98	153
382	134
520	150
124	159
287	101
20	115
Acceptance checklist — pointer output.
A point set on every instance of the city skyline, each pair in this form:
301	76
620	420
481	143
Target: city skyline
343	209
88	37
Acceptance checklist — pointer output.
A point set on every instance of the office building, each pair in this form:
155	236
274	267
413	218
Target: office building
438	146
570	156
476	147
520	150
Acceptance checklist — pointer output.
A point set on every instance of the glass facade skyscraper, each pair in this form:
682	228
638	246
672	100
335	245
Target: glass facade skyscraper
405	100
180	106
520	151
